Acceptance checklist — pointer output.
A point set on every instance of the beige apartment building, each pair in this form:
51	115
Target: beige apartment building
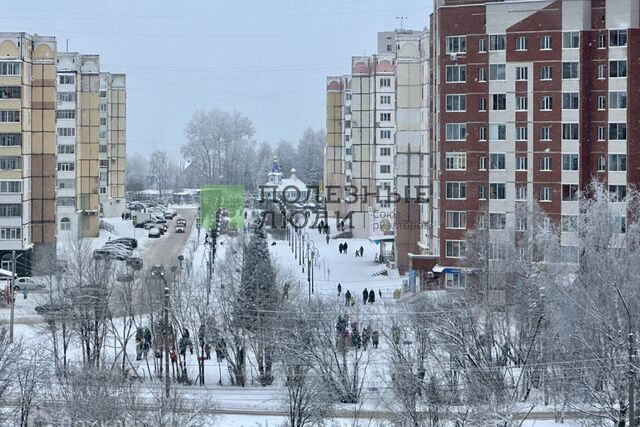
27	146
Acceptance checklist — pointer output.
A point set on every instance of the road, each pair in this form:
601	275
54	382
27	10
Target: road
166	249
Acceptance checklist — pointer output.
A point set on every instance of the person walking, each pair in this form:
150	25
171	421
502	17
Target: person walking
344	247
380	293
357	254
340	248
366	337
339	289
327	239
347	297
372	296
365	296
361	251
374	339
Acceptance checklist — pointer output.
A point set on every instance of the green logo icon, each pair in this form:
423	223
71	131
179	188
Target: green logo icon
229	198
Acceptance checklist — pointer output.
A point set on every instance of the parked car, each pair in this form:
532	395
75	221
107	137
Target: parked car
52	308
135	263
27	283
122	243
119	253
154	233
134	242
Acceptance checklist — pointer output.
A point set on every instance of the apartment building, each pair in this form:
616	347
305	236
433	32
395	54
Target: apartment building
27	147
337	168
531	100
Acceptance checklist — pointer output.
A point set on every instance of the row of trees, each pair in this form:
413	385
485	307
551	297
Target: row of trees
220	149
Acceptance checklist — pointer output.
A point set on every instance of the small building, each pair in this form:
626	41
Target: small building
291	190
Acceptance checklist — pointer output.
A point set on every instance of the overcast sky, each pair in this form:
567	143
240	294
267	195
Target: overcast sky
267	59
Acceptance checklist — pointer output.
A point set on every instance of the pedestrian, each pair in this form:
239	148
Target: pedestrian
353	301
365	296
25	292
356	341
207	350
122	216
285	291
374	339
340	248
339	289
345	246
361	251
347	298
341	225
327	229
357	254
372	296
380	293
396	334
139	344
327	239
366	337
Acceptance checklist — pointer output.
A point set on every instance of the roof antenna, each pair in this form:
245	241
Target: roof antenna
401	18
67	45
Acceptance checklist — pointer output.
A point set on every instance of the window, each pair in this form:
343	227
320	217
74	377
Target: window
67	183
497	72
602	71
385	82
456	44
570	131
66	201
570	101
9	116
602	134
570	162
10	68
617	193
65	224
66	114
497	42
10	140
7	210
545	163
521	192
456	248
456	73
602	164
602	41
481	221
103	190
66	166
546	103
66	96
384	151
522	73
521	103
521	223
482	163
617	131
456	161
522	43
546	43
499	102
385	168
66	131
545	194
602	102
497	221
482	45
522	133
10	186
456	190
482	192
385	134
496	161
571	40
456	131
385	117
569	193
569	223
570	70
10	233
617	69
497	191
617	38
482	104
618	162
619	225
455	280
456	219
10	163
456	102
385	99
546	72
10	92
482	134
521	163
497	132
103	94
66	79
545	133
618	100
482	74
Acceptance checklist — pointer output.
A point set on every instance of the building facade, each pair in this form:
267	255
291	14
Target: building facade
27	147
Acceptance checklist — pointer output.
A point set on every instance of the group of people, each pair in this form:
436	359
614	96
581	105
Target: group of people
346	338
125	215
368	296
323	227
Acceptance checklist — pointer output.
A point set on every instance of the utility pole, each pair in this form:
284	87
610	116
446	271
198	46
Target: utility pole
165	333
401	19
12	294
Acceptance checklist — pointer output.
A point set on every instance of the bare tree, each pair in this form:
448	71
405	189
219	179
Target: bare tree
31	378
9	354
159	171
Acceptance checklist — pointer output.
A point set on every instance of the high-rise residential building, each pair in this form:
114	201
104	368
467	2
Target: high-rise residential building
78	124
531	100
112	153
27	147
337	168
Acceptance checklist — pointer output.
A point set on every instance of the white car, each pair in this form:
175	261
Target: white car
27	283
154	233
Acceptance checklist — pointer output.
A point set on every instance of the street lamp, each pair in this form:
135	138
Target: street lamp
305	238
158	271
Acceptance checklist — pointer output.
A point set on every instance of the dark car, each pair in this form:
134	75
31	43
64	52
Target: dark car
52	308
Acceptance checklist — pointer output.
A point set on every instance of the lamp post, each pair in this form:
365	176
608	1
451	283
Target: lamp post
305	241
158	271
